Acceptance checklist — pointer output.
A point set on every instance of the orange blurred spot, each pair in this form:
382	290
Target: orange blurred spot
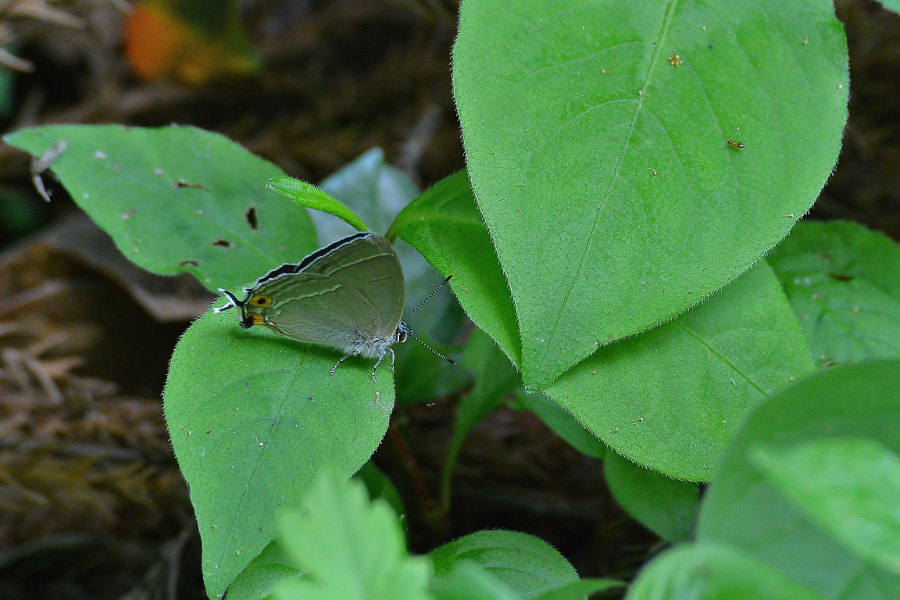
159	45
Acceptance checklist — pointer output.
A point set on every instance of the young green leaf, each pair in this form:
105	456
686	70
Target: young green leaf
253	417
596	138
178	199
309	196
672	397
743	509
349	548
495	377
843	282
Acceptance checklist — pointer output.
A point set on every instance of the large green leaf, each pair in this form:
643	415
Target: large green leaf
444	225
744	509
671	398
713	572
596	141
850	487
667	507
267	571
843	281
527	564
253	417
563	424
178	199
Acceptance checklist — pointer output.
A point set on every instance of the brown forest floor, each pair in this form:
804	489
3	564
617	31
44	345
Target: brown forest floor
91	502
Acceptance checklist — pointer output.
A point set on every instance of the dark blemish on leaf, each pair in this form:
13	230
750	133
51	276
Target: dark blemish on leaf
129	214
190	262
826	255
223	242
181	183
251	218
840	276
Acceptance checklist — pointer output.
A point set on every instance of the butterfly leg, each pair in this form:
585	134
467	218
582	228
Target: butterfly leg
338	363
381	358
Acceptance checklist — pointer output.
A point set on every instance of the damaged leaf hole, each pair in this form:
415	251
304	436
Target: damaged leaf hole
223	243
251	218
190	262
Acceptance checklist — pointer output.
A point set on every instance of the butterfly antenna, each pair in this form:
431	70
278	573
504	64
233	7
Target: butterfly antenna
427	298
413	336
232	301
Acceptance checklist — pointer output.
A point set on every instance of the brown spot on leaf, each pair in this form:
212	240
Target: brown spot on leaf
251	218
223	242
181	183
840	276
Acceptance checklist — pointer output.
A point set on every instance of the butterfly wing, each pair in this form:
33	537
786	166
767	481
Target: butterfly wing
349	291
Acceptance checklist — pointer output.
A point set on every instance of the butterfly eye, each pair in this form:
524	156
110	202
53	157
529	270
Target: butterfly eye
261	301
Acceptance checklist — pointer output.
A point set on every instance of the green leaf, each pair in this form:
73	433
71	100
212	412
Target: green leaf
349	548
843	282
744	510
850	487
264	573
563	424
578	590
444	225
671	398
377	191
253	417
178	199
495	377
309	196
468	581
527	564
601	163
380	487
667	507
713	572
